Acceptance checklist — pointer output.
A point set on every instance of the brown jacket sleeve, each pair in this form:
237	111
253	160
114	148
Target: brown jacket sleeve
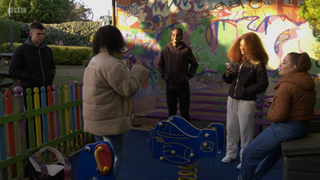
280	108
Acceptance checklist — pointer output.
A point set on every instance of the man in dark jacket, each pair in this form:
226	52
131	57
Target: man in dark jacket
32	62
173	67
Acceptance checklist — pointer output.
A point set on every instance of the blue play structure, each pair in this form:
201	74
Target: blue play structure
173	141
176	141
96	160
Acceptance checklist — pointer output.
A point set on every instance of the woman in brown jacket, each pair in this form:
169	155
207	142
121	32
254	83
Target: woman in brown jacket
291	110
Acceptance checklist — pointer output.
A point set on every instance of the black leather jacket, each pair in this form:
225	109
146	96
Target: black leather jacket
248	81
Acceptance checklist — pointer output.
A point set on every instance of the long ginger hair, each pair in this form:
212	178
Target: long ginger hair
254	50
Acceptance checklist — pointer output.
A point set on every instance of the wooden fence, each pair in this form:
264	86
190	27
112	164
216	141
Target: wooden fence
53	117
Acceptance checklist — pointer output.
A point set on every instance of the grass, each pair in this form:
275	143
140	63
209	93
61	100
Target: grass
59	79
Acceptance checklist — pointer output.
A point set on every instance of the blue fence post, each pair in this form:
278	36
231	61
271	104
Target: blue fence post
72	111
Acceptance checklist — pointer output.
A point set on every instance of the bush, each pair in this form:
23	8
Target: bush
63	55
5	31
71	33
70	55
4	48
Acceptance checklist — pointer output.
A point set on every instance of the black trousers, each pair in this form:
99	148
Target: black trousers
183	95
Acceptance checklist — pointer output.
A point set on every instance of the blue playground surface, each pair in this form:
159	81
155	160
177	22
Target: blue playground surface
157	153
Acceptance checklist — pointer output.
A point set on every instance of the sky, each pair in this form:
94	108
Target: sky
98	7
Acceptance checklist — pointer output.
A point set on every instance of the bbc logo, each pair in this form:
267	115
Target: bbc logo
17	10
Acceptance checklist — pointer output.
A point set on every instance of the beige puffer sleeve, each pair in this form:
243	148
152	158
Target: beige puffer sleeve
126	83
279	110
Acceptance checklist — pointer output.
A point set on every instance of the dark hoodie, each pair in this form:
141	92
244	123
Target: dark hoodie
294	99
33	65
174	65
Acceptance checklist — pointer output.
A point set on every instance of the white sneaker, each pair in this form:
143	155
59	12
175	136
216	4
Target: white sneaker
227	159
239	166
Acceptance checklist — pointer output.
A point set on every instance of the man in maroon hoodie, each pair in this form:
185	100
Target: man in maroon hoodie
174	69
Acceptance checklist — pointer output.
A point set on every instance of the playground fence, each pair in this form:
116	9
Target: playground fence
52	117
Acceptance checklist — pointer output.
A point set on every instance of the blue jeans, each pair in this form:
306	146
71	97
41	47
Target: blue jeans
116	142
265	150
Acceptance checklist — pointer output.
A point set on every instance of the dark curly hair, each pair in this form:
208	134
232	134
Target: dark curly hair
109	38
254	49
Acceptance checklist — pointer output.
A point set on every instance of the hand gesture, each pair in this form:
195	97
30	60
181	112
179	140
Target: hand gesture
134	60
229	72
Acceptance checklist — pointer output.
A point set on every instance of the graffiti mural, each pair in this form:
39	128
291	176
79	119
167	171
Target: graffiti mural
210	27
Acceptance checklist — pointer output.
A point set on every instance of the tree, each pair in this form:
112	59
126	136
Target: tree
310	11
45	11
81	13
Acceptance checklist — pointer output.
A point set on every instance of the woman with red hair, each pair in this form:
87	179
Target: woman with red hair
247	77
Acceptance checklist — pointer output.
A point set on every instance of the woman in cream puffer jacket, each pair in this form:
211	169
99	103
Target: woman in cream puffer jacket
108	86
